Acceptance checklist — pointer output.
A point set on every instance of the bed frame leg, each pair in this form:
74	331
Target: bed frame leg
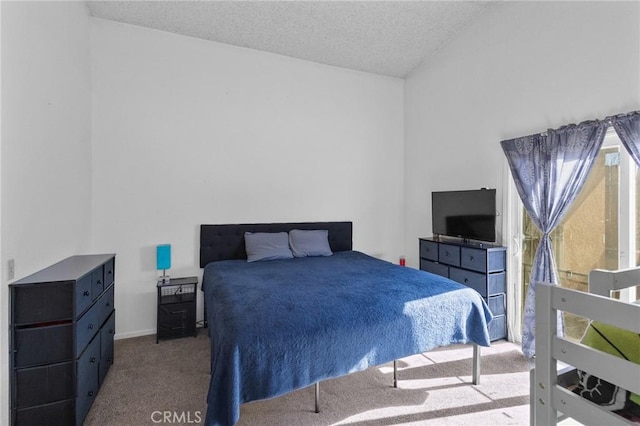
476	364
395	373
317	386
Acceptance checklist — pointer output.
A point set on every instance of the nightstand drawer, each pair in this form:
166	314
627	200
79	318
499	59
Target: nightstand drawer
449	254
429	250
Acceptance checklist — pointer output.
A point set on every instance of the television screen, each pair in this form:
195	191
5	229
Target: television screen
466	214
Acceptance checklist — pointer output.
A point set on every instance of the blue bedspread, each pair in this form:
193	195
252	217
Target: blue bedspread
281	325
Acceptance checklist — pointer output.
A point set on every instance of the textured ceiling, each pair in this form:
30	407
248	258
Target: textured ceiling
383	37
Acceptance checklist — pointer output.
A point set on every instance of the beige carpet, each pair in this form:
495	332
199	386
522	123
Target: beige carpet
167	384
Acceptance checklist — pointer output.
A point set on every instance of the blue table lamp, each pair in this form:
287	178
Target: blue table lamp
163	260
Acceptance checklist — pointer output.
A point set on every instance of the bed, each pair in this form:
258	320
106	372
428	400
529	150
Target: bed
281	325
557	392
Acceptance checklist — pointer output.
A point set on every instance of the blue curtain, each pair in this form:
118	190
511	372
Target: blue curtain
549	170
628	129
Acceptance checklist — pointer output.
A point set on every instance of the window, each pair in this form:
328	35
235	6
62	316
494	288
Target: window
599	231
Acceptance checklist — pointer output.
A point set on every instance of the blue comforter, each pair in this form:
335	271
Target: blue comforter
281	325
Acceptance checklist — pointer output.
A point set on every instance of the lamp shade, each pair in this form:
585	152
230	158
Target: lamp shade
163	256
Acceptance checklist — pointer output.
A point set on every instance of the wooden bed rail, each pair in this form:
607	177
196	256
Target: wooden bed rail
550	398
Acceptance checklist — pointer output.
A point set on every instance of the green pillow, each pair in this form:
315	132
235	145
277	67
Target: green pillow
615	341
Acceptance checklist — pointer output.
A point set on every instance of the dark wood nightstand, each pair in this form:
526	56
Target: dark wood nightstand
177	308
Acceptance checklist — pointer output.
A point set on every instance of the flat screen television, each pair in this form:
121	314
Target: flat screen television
470	215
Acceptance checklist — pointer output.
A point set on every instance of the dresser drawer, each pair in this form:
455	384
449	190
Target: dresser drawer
434	268
42	303
86	328
29	344
497	283
429	250
59	413
87	374
97	282
475	280
474	259
44	385
449	254
106	346
109	272
498	328
497	304
105	305
83	294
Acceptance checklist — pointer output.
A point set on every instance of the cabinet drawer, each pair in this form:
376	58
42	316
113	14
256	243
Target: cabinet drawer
30	342
59	413
497	305
473	259
475	280
434	268
429	250
86	328
449	254
97	282
83	294
42	303
43	385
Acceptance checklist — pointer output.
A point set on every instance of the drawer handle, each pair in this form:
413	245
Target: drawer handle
90	326
110	331
99	282
108	304
90	393
179	312
109	272
93	359
471	258
86	293
466	280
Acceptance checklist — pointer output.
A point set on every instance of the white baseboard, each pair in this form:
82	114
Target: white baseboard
130	334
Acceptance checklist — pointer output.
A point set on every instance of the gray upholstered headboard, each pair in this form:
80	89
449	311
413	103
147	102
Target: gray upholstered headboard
225	242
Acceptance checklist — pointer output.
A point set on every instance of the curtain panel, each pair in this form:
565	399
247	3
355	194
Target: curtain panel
627	127
549	170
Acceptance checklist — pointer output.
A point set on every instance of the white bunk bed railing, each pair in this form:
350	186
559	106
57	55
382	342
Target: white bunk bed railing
550	397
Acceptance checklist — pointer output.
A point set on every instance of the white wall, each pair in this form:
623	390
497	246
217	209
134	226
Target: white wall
522	68
45	146
187	132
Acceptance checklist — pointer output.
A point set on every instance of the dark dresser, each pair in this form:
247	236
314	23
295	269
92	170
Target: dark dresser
479	266
62	324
